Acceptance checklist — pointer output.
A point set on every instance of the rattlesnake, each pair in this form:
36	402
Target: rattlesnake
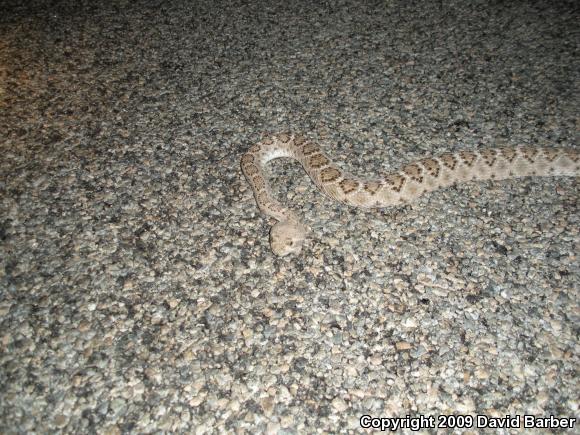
399	187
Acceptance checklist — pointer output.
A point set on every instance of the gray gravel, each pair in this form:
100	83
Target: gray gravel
138	293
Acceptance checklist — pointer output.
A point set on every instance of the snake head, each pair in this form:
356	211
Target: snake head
287	237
